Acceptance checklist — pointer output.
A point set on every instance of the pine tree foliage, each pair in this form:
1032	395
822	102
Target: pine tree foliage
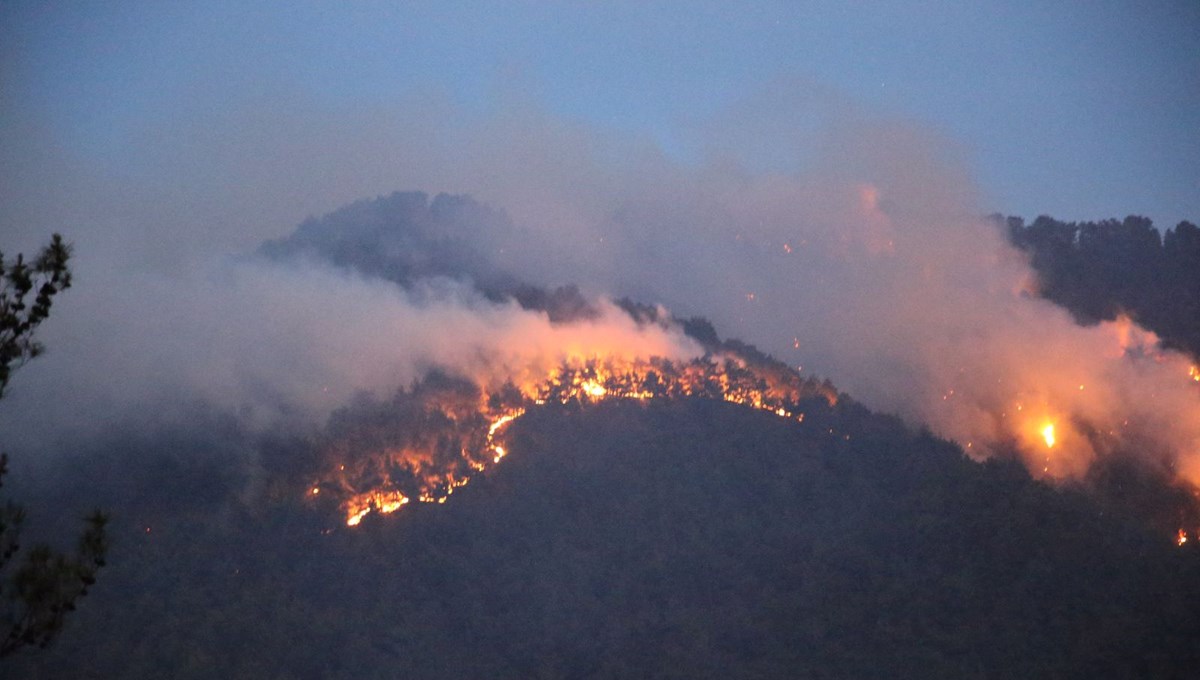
40	586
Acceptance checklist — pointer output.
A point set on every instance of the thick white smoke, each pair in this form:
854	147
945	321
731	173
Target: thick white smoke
874	267
865	262
274	343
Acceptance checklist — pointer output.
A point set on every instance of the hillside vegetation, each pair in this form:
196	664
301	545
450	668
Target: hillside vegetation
682	539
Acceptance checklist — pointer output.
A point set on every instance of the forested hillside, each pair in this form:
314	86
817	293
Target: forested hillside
685	539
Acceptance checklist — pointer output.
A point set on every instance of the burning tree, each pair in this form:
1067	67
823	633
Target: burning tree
37	592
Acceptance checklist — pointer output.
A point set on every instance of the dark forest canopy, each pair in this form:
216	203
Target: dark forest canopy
1098	270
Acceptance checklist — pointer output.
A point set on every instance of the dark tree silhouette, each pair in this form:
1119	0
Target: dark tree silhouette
37	592
46	277
1098	270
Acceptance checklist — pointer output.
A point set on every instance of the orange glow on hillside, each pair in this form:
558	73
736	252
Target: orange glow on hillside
471	422
447	438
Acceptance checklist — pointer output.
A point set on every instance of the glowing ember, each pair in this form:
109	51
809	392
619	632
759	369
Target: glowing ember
1194	373
501	422
1181	537
384	502
1048	435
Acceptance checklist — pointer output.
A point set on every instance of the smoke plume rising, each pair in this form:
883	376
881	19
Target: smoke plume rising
866	262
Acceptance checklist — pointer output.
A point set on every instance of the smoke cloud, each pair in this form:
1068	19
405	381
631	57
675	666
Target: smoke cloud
288	342
865	261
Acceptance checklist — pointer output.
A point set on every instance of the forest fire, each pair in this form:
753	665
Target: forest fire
1059	416
436	438
443	435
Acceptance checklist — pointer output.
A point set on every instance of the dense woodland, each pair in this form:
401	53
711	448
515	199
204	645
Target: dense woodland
683	538
1101	269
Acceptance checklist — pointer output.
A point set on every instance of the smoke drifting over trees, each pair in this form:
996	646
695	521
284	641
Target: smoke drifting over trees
871	267
199	395
1102	270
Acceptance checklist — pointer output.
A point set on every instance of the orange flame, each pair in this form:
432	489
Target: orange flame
1048	435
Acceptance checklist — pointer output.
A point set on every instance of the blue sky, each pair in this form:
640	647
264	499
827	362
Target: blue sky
1082	111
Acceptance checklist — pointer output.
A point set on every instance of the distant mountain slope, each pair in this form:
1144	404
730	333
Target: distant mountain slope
406	237
402	237
689	538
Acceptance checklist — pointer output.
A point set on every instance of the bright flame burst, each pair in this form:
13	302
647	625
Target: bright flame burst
1048	435
1181	537
383	479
